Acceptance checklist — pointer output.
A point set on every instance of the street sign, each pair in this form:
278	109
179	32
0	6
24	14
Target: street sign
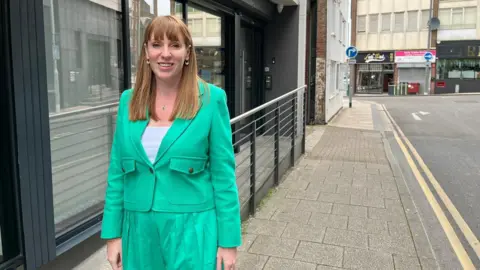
428	56
351	52
352	61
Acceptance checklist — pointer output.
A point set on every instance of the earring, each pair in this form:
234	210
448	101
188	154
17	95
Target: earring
187	62
148	61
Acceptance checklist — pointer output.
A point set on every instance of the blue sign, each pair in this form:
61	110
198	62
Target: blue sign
352	52
428	56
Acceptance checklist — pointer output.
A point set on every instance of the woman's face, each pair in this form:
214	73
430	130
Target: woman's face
167	58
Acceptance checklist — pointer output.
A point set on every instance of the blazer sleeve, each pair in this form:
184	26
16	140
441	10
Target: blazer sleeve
113	210
222	165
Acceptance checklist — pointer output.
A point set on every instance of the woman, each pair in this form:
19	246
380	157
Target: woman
171	200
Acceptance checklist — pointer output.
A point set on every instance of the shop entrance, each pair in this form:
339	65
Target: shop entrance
374	78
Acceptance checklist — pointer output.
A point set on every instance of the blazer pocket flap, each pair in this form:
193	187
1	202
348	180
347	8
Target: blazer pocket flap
128	165
188	165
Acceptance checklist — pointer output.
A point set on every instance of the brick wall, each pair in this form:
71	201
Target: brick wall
321	55
322	28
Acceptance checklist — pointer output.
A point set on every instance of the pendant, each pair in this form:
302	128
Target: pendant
163	107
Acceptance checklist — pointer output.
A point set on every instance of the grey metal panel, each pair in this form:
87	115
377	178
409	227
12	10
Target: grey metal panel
411	65
465	86
262	8
412	75
32	129
281	38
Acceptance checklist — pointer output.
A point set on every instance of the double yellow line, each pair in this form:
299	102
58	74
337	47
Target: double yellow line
442	218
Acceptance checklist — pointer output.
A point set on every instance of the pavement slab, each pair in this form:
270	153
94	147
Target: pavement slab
340	207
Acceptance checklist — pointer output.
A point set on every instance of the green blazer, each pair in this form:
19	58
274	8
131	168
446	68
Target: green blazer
194	169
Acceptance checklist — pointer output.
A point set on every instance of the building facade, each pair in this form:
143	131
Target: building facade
401	29
457	43
392	37
64	65
329	27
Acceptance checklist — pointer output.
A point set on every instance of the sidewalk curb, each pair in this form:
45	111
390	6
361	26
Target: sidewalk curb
418	233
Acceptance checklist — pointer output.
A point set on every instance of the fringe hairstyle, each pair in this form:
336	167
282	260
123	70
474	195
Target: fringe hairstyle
144	93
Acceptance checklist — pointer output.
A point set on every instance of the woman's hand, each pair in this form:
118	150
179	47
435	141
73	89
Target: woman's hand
228	257
114	253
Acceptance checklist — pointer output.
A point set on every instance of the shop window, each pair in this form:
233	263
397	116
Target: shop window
208	40
370	78
458	69
373	23
386	21
196	26
458	18
399	22
85	78
470	19
412	21
425	19
361	23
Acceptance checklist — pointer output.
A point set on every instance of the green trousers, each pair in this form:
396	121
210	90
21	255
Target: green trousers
169	241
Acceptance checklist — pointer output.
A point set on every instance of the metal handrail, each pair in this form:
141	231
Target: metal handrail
232	121
92	109
263	106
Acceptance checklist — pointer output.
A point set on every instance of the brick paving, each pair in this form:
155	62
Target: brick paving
340	207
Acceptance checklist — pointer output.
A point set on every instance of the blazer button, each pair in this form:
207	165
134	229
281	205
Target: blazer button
190	170
151	170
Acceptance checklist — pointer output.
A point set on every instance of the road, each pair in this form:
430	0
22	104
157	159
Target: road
445	131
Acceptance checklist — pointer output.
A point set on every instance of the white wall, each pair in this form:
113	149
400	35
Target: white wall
468	25
338	39
302	46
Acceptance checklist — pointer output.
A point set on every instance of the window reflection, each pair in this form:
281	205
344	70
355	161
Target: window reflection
142	13
458	69
85	70
206	29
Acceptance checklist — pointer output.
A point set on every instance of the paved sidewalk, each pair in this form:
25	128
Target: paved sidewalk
341	207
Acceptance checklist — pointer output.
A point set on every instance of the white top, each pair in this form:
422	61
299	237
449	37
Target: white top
151	140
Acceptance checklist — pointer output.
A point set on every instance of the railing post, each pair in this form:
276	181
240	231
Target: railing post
253	155
304	122
277	144
294	130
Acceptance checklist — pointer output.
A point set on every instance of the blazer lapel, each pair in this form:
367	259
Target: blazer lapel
176	130
136	131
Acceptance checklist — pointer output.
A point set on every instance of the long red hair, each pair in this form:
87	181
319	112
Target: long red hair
187	102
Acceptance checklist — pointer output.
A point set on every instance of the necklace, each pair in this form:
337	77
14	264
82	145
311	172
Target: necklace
163	108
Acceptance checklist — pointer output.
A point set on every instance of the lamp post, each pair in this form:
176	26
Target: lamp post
427	63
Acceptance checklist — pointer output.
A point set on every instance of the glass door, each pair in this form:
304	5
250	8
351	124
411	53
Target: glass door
209	41
251	90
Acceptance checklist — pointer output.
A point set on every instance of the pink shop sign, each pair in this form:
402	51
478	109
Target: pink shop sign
413	56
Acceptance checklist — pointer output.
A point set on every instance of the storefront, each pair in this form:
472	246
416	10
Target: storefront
411	67
458	67
64	65
374	71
